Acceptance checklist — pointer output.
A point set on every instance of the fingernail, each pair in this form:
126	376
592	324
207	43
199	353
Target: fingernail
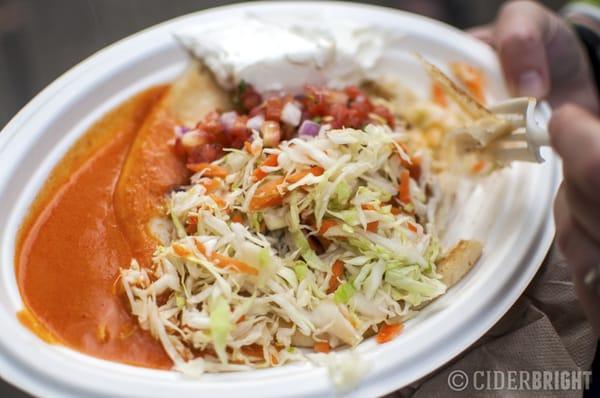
531	84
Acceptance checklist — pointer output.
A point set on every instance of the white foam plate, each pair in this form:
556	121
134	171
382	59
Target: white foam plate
510	212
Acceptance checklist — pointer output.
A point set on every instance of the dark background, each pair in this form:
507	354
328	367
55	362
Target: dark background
41	39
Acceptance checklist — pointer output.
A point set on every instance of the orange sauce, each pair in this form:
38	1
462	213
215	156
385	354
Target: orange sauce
71	247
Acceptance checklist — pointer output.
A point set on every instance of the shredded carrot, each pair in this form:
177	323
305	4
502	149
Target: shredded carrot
322	346
471	78
412	227
438	96
212	185
404	190
274	359
241	319
247	146
267	195
200	246
415	167
225	261
326	224
180	250
388	332
237	217
395	210
478	166
210	170
404	148
317	171
367	206
297	176
220	202
270	161
337	270
372	226
192	224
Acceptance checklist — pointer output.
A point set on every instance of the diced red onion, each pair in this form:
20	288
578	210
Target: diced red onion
309	129
181	130
228	119
291	114
254	123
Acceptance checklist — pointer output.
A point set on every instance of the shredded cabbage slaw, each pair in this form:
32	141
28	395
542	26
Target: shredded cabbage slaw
317	242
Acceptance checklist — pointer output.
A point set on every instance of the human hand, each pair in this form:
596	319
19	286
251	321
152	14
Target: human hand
541	55
575	135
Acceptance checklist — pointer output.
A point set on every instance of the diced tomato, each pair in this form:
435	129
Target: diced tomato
314	102
353	92
354	120
340	115
362	108
205	153
249	98
385	113
372	226
211	123
273	108
239	133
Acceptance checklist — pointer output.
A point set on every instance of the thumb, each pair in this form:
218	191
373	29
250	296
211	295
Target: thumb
519	32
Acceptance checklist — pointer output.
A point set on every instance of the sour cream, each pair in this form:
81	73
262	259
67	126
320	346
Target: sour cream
275	55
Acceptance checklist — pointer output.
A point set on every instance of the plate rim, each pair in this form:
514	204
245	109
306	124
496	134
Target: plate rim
544	233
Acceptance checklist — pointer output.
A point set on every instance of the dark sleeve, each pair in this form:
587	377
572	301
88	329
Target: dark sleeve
591	43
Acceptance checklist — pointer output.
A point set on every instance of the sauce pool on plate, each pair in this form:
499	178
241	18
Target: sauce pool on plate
71	247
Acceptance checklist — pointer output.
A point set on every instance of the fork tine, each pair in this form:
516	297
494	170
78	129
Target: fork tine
506	155
517	135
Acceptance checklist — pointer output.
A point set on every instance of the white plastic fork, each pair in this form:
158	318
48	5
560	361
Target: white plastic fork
530	121
510	130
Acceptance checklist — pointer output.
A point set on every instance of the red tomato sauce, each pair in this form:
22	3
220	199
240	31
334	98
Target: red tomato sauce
71	247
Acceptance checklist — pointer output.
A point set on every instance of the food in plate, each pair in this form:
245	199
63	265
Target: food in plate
317	240
219	231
